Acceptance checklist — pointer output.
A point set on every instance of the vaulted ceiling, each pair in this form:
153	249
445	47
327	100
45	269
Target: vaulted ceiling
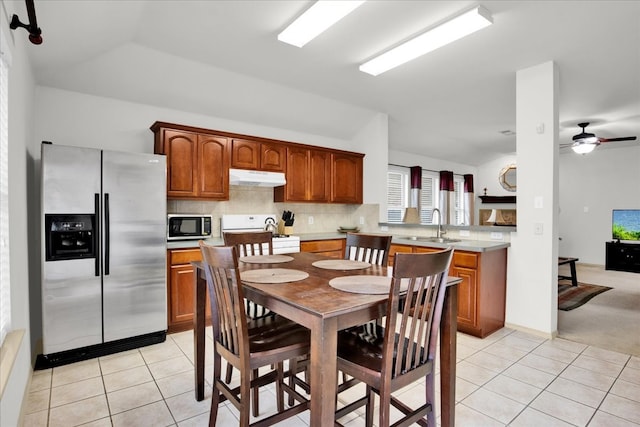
222	58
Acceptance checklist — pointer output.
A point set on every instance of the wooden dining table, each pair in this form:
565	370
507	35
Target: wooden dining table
313	303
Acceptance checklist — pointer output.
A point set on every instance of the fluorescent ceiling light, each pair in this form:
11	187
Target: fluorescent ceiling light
319	17
452	30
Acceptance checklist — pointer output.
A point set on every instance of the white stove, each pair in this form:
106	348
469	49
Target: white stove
282	244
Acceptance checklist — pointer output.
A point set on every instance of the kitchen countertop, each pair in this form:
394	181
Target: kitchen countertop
463	245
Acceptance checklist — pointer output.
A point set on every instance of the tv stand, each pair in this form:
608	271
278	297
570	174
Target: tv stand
623	257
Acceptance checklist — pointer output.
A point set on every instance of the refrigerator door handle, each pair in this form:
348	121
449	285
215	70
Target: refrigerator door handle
96	231
106	234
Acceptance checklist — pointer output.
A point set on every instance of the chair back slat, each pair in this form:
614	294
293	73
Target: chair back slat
229	322
250	243
371	248
415	315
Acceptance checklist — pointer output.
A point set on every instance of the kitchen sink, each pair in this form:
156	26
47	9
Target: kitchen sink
434	239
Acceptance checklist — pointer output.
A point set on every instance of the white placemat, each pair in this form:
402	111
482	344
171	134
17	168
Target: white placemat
364	284
341	264
273	275
266	259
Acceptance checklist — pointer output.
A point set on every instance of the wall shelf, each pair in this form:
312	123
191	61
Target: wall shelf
498	199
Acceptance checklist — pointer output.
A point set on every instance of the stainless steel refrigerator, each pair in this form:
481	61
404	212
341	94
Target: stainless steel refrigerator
104	251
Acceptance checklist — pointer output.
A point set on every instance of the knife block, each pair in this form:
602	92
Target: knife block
281	227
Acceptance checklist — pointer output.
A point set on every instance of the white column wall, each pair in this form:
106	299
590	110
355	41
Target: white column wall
533	268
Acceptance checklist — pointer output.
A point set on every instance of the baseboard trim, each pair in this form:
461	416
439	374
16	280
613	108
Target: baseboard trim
541	334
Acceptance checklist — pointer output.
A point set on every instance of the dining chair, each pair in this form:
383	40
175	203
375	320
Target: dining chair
406	350
250	243
371	248
247	346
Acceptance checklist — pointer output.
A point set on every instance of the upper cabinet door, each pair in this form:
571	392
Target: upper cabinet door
254	155
273	157
197	163
297	175
213	173
319	176
181	149
346	174
245	154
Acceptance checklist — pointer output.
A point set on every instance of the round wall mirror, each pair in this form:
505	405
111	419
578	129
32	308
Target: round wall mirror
507	178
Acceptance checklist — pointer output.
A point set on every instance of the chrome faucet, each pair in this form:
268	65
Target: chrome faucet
439	233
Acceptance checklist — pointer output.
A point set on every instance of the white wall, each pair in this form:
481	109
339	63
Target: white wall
21	86
591	186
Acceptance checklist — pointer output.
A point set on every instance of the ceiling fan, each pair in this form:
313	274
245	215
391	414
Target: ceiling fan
585	142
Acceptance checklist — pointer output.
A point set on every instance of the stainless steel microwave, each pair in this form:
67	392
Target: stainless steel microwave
188	226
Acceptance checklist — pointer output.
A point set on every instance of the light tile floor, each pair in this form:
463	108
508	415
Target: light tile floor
507	379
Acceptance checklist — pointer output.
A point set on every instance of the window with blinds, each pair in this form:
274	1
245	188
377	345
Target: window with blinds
398	195
5	284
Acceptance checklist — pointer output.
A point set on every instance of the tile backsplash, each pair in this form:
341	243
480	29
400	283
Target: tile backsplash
257	200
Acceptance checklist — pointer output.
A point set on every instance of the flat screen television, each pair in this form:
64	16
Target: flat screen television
626	224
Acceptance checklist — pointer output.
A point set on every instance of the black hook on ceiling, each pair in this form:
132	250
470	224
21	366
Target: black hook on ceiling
35	33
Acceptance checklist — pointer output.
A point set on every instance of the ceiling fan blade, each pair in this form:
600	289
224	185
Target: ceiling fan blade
626	138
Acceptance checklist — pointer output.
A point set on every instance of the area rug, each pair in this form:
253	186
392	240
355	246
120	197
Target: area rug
570	297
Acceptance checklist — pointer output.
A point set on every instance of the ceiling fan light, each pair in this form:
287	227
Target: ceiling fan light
583	147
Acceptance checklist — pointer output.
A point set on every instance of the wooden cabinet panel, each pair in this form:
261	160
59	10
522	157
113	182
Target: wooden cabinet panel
197	163
467	299
181	294
346	175
213	171
465	259
247	154
319	176
307	175
180	291
273	157
333	248
181	149
297	174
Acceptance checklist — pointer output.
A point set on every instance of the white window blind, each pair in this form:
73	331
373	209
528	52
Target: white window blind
396	195
5	284
428	196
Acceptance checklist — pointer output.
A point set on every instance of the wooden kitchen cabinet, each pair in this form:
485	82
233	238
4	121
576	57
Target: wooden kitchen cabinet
482	292
197	163
256	155
180	290
346	178
308	176
333	248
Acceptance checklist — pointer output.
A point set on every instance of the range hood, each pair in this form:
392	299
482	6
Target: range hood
256	178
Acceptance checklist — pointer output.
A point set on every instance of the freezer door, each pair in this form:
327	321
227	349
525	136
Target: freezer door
70	179
134	244
71	289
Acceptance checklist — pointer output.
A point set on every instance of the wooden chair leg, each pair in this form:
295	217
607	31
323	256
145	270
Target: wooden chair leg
279	390
370	405
215	393
255	395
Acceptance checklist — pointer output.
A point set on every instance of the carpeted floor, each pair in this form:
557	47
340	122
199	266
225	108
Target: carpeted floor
571	297
609	320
